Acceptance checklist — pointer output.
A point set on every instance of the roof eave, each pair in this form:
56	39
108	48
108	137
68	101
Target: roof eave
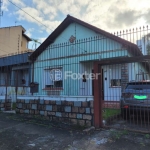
29	39
65	23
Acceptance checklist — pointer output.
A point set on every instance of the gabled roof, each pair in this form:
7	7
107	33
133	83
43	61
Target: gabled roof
68	20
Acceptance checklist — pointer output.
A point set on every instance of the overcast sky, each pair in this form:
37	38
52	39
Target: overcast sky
110	15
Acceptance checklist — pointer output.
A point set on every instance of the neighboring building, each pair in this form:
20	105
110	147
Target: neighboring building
15	75
13	40
15	70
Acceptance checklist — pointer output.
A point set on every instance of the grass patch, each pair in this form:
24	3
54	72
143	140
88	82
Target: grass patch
118	134
110	112
147	136
13	106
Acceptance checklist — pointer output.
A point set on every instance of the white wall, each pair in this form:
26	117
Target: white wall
12	94
85	88
111	72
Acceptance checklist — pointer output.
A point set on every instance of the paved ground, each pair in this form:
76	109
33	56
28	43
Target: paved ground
20	133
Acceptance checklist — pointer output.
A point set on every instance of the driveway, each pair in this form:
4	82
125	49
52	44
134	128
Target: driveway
20	133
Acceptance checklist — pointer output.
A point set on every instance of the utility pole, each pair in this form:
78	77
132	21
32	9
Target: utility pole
1	12
35	42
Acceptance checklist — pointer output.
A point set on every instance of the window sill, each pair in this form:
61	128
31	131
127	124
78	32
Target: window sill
53	89
115	87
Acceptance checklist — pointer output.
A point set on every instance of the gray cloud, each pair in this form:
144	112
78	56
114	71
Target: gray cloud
128	17
108	15
123	19
146	16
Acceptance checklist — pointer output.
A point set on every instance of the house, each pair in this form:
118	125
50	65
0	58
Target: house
14	63
90	44
63	65
13	40
15	73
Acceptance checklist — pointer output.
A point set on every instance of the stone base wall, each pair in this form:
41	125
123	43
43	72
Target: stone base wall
5	105
72	112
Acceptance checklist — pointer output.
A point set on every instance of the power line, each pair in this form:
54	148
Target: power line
38	21
33	17
29	14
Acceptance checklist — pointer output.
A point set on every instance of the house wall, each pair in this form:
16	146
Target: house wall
11	39
85	88
11	92
71	56
24	45
62	48
111	72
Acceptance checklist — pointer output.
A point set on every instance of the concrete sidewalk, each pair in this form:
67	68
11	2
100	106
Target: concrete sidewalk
19	133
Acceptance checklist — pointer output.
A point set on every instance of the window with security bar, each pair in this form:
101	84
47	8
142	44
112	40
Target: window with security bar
52	78
115	83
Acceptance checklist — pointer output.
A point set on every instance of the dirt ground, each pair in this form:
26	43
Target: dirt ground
21	133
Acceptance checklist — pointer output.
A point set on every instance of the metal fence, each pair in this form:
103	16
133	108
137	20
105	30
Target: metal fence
126	107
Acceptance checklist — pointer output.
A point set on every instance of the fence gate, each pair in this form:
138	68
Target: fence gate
123	93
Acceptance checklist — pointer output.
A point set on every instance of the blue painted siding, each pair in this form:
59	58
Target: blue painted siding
71	56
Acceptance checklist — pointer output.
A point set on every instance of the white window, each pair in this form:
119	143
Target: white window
52	78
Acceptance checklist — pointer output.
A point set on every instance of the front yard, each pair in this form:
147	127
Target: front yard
110	112
23	133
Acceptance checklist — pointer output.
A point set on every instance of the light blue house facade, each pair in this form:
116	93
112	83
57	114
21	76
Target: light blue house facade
70	52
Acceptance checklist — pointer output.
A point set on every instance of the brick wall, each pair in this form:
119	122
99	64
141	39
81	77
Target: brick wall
5	105
111	104
72	112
